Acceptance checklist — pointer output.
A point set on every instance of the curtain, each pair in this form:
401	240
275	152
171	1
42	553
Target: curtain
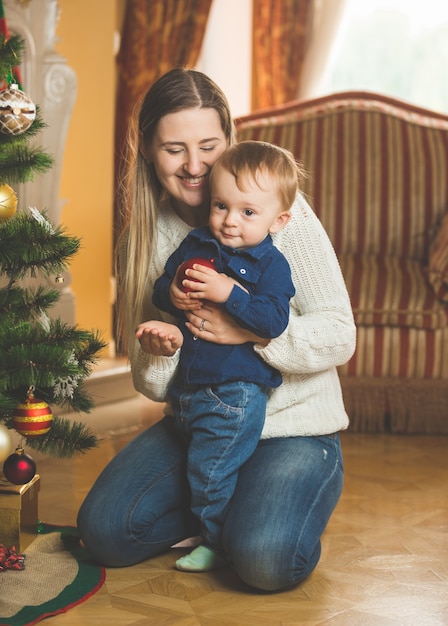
292	40
279	38
157	35
325	21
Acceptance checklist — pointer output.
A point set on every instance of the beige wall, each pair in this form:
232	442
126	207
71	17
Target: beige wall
86	40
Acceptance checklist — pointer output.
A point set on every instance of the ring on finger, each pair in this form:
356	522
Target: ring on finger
202	325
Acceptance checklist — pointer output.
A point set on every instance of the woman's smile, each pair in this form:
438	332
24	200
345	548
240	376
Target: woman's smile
194	182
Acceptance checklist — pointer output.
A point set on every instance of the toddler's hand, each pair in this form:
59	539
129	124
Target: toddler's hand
207	284
183	301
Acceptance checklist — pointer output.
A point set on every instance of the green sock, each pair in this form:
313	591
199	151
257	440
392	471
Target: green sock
201	559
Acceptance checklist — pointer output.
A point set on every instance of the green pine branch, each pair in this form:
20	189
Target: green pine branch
45	358
19	163
65	439
17	303
28	245
7	406
11	51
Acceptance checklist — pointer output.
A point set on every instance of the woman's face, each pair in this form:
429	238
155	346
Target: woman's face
185	146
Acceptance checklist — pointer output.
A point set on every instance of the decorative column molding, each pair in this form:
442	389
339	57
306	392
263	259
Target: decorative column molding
52	85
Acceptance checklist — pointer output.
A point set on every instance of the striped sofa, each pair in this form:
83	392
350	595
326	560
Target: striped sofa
378	180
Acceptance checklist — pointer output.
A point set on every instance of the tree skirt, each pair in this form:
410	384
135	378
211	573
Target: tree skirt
58	575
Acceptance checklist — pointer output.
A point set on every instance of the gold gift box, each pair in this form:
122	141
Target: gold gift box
18	513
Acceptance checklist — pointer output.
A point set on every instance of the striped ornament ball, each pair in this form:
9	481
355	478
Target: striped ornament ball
33	417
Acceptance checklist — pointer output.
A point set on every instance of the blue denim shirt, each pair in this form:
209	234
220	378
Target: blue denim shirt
265	273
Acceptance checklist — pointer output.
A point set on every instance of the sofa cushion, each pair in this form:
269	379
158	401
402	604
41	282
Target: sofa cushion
391	291
438	261
391	352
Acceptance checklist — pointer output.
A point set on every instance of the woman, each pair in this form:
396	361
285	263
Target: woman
287	491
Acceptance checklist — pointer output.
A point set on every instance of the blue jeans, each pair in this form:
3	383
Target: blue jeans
286	492
222	425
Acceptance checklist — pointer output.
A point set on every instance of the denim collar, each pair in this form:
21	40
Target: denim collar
204	235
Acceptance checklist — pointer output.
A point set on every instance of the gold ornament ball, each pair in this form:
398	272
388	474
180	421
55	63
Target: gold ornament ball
5	443
8	202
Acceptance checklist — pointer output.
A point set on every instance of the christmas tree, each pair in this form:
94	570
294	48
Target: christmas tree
43	361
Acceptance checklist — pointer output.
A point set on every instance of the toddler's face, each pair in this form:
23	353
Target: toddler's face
242	219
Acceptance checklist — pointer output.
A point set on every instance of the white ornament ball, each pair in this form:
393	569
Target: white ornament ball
5	443
17	111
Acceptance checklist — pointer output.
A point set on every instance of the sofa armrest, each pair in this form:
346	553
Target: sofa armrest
438	261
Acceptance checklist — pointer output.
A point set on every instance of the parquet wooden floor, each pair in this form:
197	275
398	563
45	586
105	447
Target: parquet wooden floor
384	559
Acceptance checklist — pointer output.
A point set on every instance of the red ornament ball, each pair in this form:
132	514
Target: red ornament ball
32	418
19	468
186	265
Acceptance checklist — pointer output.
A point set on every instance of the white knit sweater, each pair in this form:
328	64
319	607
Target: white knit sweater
320	336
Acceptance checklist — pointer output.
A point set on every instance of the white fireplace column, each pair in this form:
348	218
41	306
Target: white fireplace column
52	85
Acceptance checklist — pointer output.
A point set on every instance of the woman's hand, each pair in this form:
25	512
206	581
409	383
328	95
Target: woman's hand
213	324
159	338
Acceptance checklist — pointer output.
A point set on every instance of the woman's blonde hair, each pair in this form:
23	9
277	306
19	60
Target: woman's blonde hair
141	191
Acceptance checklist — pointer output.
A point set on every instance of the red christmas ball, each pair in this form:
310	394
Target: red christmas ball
186	265
32	418
19	468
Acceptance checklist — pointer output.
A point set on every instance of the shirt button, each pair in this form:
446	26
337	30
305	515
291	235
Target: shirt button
242	270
